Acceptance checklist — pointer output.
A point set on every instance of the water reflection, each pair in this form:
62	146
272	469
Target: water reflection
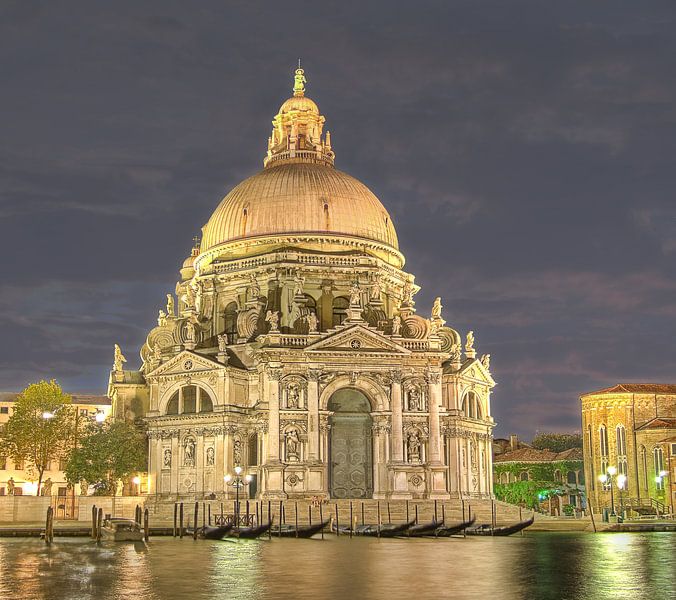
536	566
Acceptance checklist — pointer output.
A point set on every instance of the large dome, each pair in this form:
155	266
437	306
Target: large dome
299	198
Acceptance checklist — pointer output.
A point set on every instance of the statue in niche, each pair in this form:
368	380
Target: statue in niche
222	342
254	290
118	359
469	344
292	446
189	297
272	317
189	453
237	452
407	299
436	309
376	290
170	305
47	487
396	325
198	295
293	396
486	361
161	318
355	295
189	333
210	457
414	400
298	286
10	486
413	447
167	458
312	322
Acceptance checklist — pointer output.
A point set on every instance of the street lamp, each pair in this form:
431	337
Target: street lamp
621	484
607	477
137	482
237	482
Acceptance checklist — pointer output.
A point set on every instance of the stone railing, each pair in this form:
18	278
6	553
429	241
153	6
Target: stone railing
415	345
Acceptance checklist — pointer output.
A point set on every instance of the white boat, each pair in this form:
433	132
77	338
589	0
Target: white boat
118	529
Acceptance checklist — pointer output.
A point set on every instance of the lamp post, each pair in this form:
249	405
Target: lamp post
621	484
237	482
607	477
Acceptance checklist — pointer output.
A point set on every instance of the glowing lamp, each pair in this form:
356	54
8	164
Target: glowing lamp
663	473
248	478
227	478
238	470
603	478
47	415
658	479
621	481
136	480
612	471
100	417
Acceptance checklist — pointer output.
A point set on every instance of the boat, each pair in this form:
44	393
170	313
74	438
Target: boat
302	532
118	529
249	533
422	529
387	530
486	529
210	533
449	530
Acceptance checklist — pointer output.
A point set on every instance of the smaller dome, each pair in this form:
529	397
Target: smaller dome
301	103
188	268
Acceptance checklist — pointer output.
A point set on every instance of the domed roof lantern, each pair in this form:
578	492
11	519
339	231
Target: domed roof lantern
297	130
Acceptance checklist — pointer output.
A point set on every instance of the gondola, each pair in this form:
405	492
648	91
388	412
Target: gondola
212	533
486	529
422	529
300	532
249	533
387	530
449	530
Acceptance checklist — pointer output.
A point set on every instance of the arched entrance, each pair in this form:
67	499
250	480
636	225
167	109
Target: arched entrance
351	454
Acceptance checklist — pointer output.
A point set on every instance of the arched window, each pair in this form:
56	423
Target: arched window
253	449
471	407
658	458
189	399
172	405
571	478
557	476
580	477
230	322
504	477
340	306
603	442
621	439
524	476
644	467
206	405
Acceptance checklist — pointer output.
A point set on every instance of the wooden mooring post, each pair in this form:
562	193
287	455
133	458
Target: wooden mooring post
99	523
175	518
146	525
337	522
351	521
49	526
389	516
93	522
196	516
296	510
180	531
321	519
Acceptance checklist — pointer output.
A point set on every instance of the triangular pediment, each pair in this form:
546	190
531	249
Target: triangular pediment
473	369
185	362
357	338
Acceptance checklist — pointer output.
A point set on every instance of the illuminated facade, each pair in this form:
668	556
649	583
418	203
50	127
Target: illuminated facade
630	432
293	348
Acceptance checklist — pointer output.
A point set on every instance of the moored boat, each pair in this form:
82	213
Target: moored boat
486	529
387	530
422	529
212	533
249	533
449	530
118	529
300	532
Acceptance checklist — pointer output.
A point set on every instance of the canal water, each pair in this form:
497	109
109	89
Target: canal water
536	566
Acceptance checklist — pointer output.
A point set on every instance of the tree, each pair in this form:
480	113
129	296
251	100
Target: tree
107	452
40	429
557	442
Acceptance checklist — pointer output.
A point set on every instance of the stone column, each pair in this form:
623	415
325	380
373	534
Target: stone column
434	400
273	376
313	415
157	465
175	460
397	423
199	464
219	460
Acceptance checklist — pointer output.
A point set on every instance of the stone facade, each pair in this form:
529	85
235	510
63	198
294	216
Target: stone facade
293	348
631	427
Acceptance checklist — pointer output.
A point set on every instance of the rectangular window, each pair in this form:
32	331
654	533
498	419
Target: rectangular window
4	410
3	463
189	399
84	412
18	465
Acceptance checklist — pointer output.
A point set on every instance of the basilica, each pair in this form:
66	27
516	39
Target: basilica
292	348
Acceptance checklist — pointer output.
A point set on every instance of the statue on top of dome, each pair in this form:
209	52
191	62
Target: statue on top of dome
469	344
161	318
299	81
118	359
436	308
170	305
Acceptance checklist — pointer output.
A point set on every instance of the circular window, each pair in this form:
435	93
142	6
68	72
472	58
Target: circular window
356	344
187	365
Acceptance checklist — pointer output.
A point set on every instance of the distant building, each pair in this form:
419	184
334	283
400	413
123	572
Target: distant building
25	483
630	428
560	473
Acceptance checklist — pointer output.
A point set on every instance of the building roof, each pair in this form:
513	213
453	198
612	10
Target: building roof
536	456
659	423
637	388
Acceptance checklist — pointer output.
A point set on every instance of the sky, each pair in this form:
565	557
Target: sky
526	151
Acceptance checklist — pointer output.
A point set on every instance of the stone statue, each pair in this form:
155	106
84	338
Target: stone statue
119	487
407	299
210	456
292	446
292	396
436	308
161	318
47	487
198	295
157	352
312	321
376	290
118	359
486	361
254	289
167	458
189	297
299	81
189	453
455	352
469	344
222	342
272	317
84	486
10	486
170	305
294	313
299	285
413	448
414	399
396	325
237	452
355	295
189	333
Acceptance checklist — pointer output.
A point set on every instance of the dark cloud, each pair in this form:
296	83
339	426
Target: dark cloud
525	150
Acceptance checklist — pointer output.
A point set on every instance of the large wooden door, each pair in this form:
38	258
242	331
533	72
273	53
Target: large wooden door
351	450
